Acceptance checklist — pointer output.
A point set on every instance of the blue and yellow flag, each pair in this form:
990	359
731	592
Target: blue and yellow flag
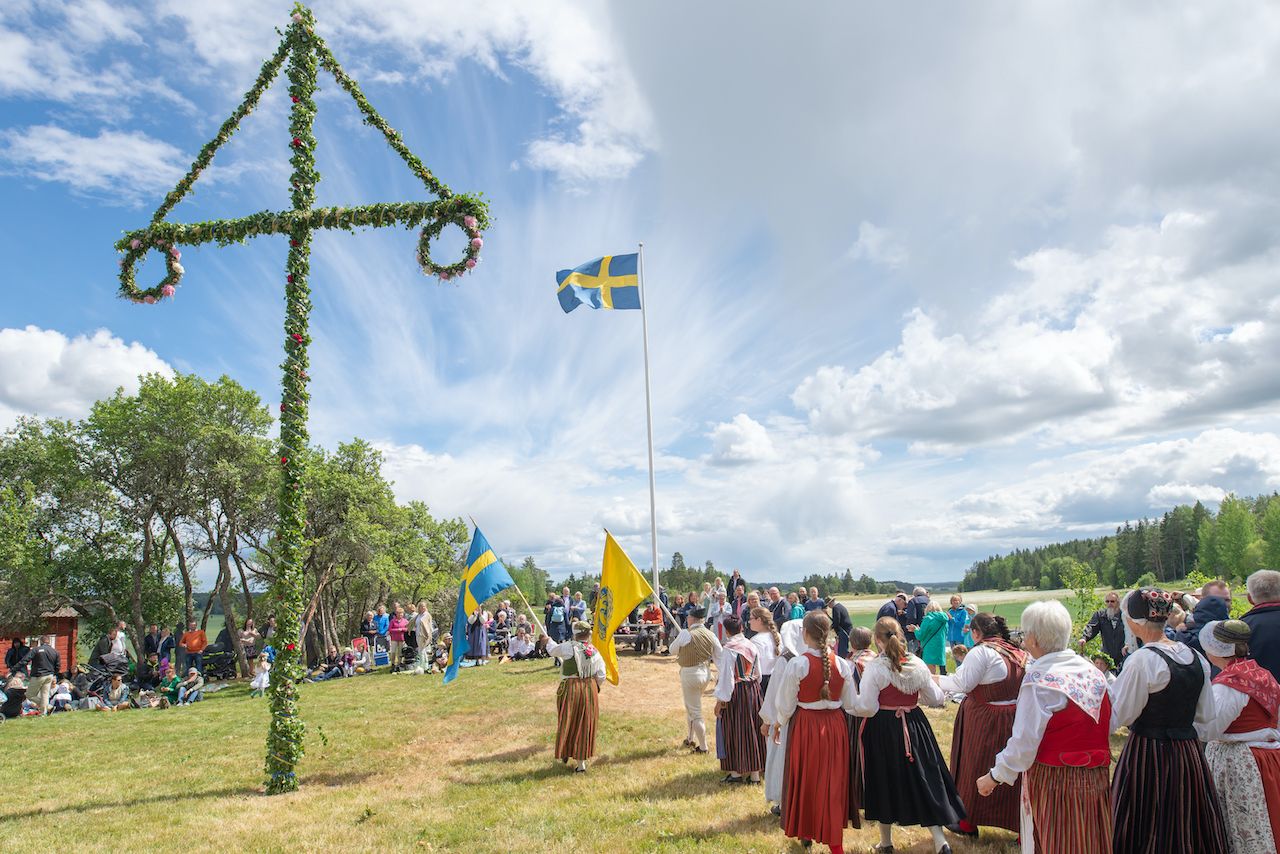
608	282
485	576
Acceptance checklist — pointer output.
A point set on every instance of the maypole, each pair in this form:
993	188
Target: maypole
306	53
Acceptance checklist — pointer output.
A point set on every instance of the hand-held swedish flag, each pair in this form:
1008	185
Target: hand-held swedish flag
608	282
622	588
484	576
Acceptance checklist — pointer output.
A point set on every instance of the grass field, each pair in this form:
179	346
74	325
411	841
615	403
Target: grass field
1005	603
396	763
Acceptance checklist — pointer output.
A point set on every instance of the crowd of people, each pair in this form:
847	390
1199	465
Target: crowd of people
829	721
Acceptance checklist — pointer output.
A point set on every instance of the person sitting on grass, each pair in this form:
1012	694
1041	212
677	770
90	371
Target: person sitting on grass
15	690
520	647
348	659
330	669
190	690
62	700
261	676
360	660
169	686
149	672
116	697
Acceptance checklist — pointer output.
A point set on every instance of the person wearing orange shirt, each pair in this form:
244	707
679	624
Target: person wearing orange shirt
193	643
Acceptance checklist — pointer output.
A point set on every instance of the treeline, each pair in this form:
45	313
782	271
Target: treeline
1242	537
112	514
680	578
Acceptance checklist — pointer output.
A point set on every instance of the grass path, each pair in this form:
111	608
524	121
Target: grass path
395	763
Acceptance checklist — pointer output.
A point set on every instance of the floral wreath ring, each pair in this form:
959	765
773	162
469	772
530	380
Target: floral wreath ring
134	251
468	223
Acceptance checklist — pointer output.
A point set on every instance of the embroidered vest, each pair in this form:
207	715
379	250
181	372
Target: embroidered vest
1073	739
1014	661
892	698
1252	718
811	685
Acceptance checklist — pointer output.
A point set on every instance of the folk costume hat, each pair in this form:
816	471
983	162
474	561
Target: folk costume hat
698	613
1222	637
1149	604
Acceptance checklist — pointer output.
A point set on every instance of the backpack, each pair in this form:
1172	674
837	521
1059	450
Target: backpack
557	614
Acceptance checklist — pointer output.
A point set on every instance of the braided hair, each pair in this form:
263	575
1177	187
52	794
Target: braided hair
991	626
766	619
817	625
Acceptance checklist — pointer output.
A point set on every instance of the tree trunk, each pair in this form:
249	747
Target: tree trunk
244	583
188	599
229	613
135	591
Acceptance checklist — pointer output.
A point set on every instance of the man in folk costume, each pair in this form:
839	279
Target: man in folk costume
816	691
775	756
695	648
739	741
990	679
1060	744
578	698
1243	740
1162	795
905	779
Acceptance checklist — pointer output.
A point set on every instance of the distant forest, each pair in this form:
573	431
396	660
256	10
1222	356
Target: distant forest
1243	536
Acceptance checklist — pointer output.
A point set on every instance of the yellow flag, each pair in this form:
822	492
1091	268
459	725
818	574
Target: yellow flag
622	587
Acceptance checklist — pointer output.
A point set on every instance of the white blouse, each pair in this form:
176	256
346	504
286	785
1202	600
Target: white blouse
595	664
787	698
725	662
1229	704
878	675
767	652
1146	673
1036	705
982	666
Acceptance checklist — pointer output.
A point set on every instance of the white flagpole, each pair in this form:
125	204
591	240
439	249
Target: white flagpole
648	409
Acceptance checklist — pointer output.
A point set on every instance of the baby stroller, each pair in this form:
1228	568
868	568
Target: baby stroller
219	663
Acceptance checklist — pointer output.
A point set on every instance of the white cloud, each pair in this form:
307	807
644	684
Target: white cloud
742	440
878	246
45	373
1149	332
604	128
127	167
1090	493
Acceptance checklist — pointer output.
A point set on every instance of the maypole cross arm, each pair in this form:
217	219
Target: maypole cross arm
306	52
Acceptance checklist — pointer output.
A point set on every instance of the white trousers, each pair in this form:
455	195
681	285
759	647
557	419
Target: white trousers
693	681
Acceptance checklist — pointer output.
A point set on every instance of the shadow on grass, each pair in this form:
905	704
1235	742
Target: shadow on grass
335	778
609	759
514	755
226	791
743	824
516	775
702	781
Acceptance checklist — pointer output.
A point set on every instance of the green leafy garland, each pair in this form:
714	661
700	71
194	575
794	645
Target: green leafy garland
306	52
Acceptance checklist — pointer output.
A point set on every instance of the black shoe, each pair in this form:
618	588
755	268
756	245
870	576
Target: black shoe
730	778
701	750
945	849
958	831
776	810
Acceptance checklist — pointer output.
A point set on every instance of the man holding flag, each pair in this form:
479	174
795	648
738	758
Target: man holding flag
484	577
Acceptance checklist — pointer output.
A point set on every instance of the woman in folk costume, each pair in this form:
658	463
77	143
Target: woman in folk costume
1243	740
989	678
738	699
1060	744
905	779
767	641
816	689
1162	794
775	749
477	638
578	698
860	655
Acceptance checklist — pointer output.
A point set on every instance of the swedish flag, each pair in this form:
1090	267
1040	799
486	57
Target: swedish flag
485	576
608	282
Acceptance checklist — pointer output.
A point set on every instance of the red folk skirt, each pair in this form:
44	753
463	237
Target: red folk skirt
981	732
815	791
577	714
1070	808
1269	770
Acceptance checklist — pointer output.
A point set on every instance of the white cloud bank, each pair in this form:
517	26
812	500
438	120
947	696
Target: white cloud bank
45	373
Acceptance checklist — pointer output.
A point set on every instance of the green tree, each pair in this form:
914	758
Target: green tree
1235	530
1271	534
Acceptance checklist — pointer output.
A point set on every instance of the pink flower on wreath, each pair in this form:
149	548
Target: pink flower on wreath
173	250
469	221
296	337
297	19
477	242
149	300
471	263
444	276
168	290
135	243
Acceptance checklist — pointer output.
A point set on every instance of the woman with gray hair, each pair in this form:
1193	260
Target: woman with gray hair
1243	740
1060	743
1163	795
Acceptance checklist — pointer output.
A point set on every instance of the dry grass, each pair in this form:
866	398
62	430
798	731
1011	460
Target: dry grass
396	763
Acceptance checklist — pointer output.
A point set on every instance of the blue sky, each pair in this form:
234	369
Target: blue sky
921	288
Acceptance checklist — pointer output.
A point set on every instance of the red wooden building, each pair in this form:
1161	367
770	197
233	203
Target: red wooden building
64	625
